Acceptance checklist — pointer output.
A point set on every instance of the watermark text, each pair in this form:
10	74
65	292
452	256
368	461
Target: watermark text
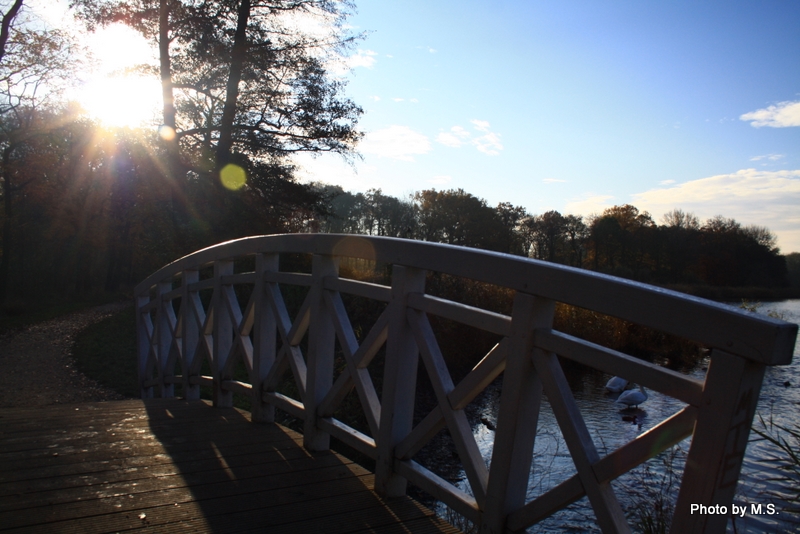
738	510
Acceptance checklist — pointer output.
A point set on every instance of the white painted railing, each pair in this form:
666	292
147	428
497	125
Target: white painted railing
188	313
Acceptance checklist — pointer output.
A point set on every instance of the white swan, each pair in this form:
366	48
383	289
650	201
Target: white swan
616	384
632	397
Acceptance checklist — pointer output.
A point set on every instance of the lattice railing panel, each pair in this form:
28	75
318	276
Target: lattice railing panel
228	321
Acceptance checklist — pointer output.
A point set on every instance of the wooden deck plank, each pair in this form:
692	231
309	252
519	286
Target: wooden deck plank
84	462
51	452
59	493
186	467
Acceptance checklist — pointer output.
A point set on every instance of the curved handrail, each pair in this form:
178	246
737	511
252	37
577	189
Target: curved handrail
264	336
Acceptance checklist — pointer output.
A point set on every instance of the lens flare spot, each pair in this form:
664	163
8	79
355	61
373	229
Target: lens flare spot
233	177
355	247
167	133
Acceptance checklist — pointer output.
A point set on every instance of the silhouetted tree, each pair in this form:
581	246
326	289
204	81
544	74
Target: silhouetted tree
512	218
622	239
35	66
459	218
243	83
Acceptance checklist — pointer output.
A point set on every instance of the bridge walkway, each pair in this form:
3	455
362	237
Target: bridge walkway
167	465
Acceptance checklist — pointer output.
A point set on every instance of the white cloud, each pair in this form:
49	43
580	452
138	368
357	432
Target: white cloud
375	98
441	180
666	182
771	157
332	169
448	139
395	142
751	196
398	99
454	138
481	126
588	204
362	58
781	115
488	143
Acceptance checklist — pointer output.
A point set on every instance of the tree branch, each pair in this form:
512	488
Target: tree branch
5	28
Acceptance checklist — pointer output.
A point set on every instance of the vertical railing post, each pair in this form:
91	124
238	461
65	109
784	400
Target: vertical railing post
143	343
190	333
399	384
321	340
518	416
165	312
265	331
223	335
718	445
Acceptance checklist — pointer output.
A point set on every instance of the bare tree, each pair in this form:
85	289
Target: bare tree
35	66
5	27
678	218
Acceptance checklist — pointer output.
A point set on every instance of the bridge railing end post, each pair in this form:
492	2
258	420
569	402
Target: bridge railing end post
718	445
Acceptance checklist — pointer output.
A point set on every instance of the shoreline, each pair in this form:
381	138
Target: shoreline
736	294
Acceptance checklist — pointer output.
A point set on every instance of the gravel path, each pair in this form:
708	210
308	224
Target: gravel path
37	368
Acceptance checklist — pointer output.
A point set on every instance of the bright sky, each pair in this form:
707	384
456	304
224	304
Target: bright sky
571	105
113	91
578	106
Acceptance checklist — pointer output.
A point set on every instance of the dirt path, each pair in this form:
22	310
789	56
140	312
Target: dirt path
37	368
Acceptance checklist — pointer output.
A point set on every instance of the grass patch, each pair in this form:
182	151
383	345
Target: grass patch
106	352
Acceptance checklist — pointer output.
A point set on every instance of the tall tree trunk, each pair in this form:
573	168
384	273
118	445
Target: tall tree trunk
238	56
169	132
5	27
166	70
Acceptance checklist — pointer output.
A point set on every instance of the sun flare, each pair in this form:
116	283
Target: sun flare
127	101
116	94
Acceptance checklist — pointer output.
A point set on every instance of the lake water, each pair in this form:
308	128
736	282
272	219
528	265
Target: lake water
612	427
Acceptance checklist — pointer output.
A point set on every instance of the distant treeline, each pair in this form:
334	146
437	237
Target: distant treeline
88	209
622	240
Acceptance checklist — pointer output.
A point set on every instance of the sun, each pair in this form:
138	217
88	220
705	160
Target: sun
122	101
115	94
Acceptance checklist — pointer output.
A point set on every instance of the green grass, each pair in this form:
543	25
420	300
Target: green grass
106	352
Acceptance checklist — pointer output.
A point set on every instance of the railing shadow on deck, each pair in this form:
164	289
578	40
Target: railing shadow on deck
189	318
245	478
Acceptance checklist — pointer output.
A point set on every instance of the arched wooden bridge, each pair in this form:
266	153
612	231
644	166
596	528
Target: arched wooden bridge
193	331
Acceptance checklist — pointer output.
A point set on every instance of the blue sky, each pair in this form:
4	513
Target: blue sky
578	106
